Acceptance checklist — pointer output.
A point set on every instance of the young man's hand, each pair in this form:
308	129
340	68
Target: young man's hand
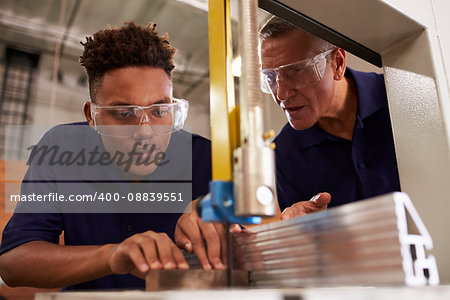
317	203
206	240
143	252
46	265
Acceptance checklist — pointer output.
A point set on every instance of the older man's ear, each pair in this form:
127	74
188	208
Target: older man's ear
339	63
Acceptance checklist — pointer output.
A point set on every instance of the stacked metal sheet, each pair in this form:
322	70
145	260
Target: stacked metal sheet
163	280
363	243
192	260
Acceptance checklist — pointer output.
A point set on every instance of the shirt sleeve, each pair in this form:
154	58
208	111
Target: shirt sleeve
29	225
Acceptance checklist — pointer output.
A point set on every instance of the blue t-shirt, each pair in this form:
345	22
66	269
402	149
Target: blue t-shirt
312	161
100	228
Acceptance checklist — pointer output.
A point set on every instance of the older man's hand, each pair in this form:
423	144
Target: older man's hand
317	203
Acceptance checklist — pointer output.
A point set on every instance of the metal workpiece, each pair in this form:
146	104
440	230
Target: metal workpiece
162	280
192	260
254	181
362	243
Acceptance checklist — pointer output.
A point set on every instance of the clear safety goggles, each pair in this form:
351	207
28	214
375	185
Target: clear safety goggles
296	75
126	120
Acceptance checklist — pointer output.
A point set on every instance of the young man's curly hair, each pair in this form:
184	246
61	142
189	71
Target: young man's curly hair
131	45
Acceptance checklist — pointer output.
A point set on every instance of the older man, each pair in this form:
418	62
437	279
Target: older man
339	137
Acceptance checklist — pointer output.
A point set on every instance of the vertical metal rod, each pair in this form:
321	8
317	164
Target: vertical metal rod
254	162
251	100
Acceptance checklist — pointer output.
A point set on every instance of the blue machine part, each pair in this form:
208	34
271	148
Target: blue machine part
218	205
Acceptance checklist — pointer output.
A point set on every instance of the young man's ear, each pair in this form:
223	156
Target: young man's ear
87	113
340	63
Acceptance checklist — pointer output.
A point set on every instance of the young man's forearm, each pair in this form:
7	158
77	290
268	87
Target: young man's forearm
46	265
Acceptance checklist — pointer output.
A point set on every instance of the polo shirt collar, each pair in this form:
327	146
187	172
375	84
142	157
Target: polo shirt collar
309	137
370	91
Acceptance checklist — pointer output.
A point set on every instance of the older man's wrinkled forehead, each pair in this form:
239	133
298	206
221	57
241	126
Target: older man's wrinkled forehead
276	27
301	39
292	46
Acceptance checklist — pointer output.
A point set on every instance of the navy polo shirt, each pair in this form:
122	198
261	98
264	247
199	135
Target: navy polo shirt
312	161
102	228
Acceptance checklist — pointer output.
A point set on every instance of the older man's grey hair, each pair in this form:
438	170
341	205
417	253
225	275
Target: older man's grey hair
275	27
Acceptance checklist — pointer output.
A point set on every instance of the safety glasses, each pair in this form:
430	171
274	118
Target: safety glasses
125	120
296	75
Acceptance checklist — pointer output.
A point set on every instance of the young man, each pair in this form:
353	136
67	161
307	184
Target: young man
129	145
339	137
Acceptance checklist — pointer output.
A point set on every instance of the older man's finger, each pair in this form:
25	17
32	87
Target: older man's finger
321	200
